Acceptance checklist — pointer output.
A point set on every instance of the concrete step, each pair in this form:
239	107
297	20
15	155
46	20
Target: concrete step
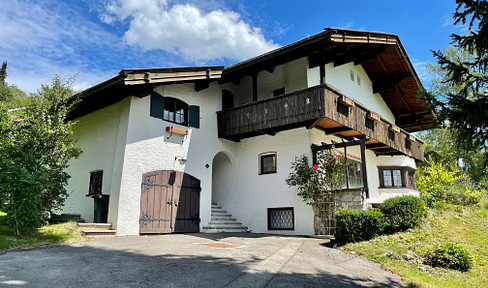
221	215
223	222
107	226
227	218
98	232
218	212
220	230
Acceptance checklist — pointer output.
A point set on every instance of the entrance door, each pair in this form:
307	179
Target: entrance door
170	202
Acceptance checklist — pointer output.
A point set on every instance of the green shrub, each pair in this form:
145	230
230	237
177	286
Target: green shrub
356	225
401	213
437	185
450	255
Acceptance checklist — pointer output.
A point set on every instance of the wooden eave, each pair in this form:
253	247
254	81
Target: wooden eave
139	83
381	55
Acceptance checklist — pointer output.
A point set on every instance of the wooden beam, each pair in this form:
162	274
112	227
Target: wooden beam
255	87
389	84
337	130
376	146
322	67
360	54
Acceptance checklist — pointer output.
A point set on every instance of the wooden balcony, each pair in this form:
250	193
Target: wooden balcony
324	108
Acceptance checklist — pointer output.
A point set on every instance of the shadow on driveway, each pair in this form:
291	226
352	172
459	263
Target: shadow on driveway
180	260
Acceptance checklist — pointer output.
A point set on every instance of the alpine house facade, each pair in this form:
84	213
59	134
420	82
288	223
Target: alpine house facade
166	148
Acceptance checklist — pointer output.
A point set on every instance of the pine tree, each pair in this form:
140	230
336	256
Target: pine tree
465	108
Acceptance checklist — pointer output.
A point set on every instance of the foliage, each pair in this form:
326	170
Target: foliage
46	235
404	253
357	225
464	103
402	213
314	183
450	255
35	148
437	185
10	95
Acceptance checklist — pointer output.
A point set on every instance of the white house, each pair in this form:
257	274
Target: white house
161	145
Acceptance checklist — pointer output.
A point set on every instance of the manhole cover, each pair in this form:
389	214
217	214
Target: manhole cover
219	245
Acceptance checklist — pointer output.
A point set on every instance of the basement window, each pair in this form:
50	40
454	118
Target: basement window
267	163
281	219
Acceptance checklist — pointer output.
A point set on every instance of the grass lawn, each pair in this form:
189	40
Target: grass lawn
47	235
402	253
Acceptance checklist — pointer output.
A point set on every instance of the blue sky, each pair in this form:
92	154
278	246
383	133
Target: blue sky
95	39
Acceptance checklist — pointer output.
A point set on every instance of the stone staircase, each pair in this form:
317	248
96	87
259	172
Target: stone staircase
221	221
97	229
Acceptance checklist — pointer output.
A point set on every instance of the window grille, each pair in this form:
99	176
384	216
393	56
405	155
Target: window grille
281	219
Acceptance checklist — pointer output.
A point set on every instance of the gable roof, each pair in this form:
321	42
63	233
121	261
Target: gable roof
381	55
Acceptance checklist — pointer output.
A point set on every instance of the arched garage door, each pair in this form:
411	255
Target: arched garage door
170	202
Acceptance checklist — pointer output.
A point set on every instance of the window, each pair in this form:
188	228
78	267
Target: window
174	110
281	219
96	178
353	176
267	163
397	177
351	75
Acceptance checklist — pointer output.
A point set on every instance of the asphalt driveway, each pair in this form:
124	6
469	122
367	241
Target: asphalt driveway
192	260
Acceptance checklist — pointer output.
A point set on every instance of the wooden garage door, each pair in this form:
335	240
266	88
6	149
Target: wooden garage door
170	202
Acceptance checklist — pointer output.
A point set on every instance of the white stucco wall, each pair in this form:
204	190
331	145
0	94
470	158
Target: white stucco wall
291	75
99	135
148	148
254	194
362	91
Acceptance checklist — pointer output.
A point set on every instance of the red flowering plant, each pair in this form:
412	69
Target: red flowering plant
317	182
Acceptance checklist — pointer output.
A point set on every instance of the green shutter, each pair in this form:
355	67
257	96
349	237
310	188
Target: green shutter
157	105
194	113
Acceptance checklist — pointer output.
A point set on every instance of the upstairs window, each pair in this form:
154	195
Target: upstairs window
174	110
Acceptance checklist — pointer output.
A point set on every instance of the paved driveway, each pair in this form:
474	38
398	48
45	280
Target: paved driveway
192	260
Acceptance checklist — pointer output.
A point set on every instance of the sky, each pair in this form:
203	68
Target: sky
93	40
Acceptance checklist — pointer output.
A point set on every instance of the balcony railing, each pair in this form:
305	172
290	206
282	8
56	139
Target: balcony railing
307	108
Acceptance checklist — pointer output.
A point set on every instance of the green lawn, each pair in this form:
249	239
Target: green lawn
47	235
402	253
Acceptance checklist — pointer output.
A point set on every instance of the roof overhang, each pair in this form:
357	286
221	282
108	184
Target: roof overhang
381	55
139	83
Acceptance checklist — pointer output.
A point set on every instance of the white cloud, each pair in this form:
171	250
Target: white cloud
187	31
42	39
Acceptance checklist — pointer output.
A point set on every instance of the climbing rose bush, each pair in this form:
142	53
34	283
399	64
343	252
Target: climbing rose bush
315	182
